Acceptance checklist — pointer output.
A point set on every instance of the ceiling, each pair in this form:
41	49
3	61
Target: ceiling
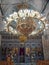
8	6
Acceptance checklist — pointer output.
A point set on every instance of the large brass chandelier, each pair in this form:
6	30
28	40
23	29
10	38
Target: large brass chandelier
25	22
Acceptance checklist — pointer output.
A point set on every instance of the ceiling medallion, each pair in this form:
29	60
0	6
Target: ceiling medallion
22	6
25	22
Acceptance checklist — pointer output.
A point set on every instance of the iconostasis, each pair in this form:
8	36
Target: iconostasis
17	52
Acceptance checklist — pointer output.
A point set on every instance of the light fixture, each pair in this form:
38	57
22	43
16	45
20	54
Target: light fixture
25	22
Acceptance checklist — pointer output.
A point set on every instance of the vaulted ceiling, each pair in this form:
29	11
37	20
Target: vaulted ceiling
8	6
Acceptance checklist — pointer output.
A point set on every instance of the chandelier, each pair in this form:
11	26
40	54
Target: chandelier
25	22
